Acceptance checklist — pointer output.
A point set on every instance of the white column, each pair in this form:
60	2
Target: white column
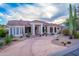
23	30
33	29
48	29
41	29
15	31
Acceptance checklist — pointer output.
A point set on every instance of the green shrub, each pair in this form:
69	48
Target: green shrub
11	36
65	32
76	35
3	32
8	39
1	44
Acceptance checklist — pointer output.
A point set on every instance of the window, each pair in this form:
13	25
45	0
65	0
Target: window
14	30
11	31
17	30
55	29
20	30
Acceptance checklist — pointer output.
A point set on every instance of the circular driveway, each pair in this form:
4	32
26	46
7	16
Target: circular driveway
38	46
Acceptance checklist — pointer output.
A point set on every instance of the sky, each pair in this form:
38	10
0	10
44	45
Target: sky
51	12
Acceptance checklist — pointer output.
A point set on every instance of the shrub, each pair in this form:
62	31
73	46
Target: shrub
76	35
11	36
65	32
1	44
28	34
57	39
63	43
8	39
3	32
68	42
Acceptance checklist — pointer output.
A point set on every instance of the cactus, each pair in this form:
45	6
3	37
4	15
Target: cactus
74	21
70	21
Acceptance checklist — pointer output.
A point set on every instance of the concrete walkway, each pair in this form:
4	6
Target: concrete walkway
38	46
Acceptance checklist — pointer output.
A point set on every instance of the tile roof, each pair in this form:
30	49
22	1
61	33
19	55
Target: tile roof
27	23
18	23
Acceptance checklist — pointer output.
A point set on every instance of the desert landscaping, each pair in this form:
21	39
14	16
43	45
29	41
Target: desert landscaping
37	46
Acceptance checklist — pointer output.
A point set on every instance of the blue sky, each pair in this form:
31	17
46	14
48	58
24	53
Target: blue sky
32	11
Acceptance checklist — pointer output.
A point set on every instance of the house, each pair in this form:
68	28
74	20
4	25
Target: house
19	27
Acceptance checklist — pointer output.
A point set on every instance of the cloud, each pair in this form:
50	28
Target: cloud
33	12
48	10
21	12
60	20
37	11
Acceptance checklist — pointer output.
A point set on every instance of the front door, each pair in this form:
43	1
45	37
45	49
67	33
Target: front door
28	30
37	31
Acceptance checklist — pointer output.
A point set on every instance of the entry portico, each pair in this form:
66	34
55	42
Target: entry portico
37	28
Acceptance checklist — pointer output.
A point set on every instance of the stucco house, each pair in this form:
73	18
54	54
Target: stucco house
19	28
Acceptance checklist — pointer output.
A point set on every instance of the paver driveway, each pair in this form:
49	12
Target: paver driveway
38	46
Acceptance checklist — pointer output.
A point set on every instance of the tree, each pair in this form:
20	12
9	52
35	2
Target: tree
3	32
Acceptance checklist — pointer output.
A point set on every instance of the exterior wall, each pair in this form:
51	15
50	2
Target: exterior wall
20	30
58	29
55	29
33	28
16	30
